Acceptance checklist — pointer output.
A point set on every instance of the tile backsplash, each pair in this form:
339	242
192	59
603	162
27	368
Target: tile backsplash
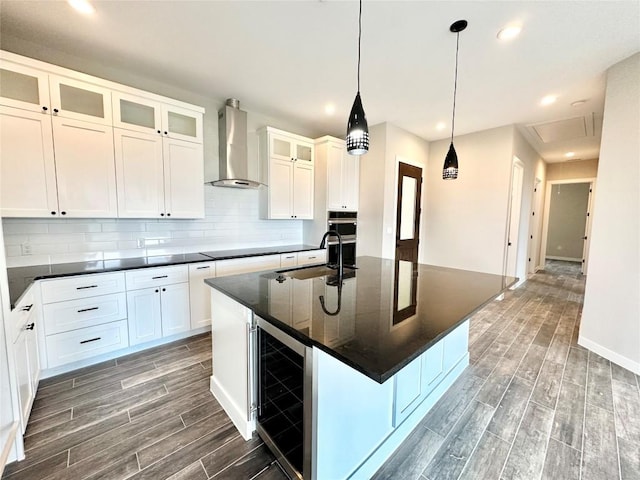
231	221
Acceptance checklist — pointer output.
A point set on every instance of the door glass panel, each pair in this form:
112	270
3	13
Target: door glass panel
18	86
407	209
281	147
405	277
137	114
182	124
303	152
81	101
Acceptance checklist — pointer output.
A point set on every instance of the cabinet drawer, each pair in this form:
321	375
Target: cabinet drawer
23	313
288	259
311	257
245	265
87	342
82	286
86	312
153	277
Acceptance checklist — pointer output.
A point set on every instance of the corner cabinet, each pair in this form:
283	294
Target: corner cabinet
58	142
287	168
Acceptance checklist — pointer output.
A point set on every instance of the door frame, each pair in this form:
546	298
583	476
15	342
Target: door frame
537	206
589	219
520	164
418	204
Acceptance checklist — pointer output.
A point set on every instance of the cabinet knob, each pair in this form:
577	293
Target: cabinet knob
157	290
55	110
63	213
30	326
162	214
53	213
166	133
168	214
164	289
44	109
159	131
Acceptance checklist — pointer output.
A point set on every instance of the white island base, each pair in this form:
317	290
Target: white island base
356	422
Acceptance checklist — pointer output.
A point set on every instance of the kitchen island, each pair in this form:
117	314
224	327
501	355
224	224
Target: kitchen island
367	356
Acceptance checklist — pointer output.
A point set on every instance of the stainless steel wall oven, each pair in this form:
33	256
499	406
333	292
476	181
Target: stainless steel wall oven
346	224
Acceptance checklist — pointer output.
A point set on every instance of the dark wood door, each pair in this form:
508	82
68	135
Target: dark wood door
408	212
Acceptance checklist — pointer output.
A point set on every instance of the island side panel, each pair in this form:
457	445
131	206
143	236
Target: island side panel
359	423
230	323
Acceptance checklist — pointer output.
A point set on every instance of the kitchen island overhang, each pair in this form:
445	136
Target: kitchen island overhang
386	343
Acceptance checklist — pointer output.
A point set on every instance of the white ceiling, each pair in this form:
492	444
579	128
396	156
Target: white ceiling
290	58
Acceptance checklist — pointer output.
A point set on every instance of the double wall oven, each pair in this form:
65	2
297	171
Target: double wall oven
345	223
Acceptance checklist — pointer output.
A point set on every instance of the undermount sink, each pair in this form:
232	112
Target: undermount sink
306	273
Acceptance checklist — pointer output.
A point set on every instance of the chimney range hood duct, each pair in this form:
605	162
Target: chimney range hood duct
232	138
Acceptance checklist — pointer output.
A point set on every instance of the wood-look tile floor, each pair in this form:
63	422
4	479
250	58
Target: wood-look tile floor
533	404
149	415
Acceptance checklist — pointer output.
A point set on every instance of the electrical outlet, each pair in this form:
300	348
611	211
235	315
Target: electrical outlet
26	248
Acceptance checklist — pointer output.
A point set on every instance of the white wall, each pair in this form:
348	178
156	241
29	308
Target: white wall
567	221
611	315
465	220
389	144
572	170
231	221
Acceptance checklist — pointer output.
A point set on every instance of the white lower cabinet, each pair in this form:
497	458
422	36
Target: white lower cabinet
200	293
162	308
312	257
25	353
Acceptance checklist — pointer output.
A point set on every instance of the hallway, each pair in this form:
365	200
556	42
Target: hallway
533	403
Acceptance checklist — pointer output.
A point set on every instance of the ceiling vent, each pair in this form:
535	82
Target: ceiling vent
561	130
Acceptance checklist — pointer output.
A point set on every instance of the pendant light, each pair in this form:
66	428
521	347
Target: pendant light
357	127
450	169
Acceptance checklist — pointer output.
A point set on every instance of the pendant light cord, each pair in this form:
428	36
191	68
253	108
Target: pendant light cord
359	38
455	87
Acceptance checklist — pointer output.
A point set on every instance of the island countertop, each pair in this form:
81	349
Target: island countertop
384	315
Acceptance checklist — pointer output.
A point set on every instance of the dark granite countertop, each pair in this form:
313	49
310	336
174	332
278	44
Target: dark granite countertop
21	277
388	312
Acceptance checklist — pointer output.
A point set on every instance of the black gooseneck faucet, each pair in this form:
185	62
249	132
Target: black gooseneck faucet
322	245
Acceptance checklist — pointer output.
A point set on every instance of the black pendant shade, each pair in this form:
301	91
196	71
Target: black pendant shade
357	139
450	170
357	129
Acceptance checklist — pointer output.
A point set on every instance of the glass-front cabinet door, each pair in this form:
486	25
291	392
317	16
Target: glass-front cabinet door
181	123
280	147
304	152
135	113
79	100
24	87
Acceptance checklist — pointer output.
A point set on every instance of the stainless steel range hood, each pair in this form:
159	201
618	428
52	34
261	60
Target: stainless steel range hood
232	138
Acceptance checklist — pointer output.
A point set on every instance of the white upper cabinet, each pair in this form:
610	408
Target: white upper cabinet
136	113
24	87
342	174
151	116
139	174
183	179
287	168
85	169
79	100
60	151
27	167
181	124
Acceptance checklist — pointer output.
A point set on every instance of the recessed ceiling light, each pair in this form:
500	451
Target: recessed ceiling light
578	103
441	126
548	100
510	32
570	154
329	109
82	6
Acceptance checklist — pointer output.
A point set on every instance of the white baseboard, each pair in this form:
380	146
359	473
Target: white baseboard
610	355
236	414
565	259
8	437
